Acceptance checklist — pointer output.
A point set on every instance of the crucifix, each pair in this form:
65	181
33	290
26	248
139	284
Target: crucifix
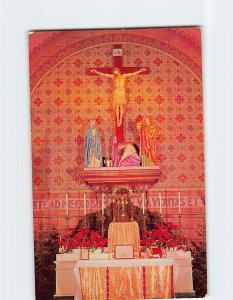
118	74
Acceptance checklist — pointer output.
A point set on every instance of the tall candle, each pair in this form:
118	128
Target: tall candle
102	204
160	203
143	203
85	203
67	203
179	202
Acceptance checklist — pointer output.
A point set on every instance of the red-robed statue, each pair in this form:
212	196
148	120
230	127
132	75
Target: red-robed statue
147	130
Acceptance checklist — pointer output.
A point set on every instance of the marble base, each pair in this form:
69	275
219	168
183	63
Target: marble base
65	281
185	295
182	273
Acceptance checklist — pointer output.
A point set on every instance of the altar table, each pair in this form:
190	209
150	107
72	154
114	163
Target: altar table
124	279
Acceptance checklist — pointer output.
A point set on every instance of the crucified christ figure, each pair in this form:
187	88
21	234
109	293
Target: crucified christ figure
119	99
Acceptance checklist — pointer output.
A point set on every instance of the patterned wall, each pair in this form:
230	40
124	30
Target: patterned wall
67	98
63	98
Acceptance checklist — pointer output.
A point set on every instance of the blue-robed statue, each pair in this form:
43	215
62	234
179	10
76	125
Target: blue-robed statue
93	153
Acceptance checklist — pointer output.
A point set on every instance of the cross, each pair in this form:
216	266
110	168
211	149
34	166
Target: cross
117	63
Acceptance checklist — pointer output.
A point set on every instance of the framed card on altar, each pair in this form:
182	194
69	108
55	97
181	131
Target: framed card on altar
84	253
124	251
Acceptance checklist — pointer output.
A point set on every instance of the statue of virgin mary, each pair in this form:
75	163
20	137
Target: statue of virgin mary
93	153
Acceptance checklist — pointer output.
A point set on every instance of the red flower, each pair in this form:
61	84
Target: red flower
143	242
85	244
84	230
157	251
149	242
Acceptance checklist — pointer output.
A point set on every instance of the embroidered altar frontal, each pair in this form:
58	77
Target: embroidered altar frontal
124	280
122	283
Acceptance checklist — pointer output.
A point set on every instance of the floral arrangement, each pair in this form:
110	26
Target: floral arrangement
84	238
164	236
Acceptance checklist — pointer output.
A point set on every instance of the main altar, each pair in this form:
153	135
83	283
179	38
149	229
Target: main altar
148	278
124	268
122	260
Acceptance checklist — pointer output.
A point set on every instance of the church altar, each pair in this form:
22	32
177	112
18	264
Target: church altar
126	171
68	271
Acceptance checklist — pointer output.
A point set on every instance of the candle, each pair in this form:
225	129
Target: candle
67	203
85	203
143	203
160	203
179	202
102	204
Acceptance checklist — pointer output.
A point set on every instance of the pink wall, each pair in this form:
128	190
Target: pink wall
63	98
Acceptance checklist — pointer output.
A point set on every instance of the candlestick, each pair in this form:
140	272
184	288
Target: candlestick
102	204
160	203
85	203
144	218
143	203
179	202
102	224
67	204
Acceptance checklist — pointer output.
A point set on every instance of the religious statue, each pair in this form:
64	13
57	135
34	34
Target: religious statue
93	153
124	154
119	98
147	132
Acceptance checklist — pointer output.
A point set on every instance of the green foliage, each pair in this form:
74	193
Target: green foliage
45	255
94	220
199	269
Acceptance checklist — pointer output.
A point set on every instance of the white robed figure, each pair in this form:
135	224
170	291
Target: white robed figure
93	152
